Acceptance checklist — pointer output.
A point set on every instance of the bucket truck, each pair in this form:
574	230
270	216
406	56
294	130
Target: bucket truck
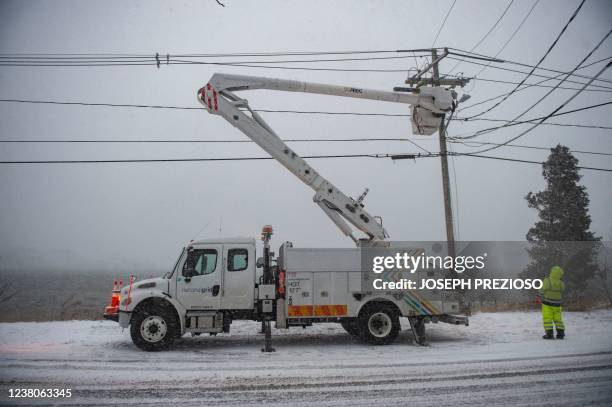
215	281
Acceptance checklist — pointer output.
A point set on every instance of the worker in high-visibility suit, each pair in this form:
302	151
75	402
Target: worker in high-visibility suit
551	295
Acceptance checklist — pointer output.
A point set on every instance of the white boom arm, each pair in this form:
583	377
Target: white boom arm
428	108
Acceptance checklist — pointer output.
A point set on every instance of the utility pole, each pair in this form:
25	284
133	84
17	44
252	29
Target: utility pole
415	82
448	209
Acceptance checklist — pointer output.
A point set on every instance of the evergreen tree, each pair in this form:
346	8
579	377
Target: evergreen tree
561	236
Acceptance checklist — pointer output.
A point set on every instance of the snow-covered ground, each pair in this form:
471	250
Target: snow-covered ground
500	359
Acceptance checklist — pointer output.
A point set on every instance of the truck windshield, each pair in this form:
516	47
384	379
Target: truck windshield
171	272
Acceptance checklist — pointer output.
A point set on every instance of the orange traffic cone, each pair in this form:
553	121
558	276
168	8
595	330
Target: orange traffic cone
113	308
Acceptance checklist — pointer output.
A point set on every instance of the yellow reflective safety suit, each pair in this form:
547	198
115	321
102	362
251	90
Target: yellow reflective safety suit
551	295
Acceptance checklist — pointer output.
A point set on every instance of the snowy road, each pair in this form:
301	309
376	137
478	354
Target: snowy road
498	360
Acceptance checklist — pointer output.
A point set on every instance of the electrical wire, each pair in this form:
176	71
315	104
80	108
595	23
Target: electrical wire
394	157
525	161
124	105
206	55
443	23
547	123
526	86
482	143
212	159
537	102
290	68
173	61
536	120
605	89
527	73
477	56
315	140
511	36
484	37
561	106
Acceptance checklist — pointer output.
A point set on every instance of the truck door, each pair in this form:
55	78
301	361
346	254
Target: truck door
198	286
238	276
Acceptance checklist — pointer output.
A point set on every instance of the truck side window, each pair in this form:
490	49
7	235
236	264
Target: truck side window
203	261
237	259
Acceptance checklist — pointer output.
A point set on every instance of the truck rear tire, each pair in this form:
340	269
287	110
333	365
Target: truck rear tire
352	327
379	324
154	328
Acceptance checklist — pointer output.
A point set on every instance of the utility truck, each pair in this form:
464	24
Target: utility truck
215	282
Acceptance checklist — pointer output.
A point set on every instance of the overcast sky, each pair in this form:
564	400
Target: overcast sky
137	216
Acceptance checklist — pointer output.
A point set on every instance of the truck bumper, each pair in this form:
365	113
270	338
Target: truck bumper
124	319
111	317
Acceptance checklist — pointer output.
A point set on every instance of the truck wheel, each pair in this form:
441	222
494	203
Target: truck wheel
352	327
154	328
379	324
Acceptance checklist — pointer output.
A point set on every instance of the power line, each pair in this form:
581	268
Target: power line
532	74
172	60
482	143
315	140
534	120
493	27
583	126
561	81
316	112
561	106
477	56
186	159
484	37
206	55
152	59
511	36
170	107
605	89
411	156
526	161
443	23
292	68
526	86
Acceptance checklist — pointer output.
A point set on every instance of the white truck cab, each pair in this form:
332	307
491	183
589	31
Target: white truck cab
213	274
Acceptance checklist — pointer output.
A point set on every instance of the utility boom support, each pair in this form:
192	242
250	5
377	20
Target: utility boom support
428	108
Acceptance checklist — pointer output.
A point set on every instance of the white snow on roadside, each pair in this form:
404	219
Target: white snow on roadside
99	356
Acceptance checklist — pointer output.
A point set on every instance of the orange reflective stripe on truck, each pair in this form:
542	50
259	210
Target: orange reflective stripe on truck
299	310
334	310
330	310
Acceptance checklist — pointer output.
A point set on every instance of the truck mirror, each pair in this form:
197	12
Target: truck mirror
260	262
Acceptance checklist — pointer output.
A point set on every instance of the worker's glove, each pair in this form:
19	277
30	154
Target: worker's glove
538	301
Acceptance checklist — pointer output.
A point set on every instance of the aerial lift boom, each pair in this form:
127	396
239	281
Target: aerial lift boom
429	106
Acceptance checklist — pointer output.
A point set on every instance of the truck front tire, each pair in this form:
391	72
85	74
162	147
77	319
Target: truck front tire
379	324
154	328
352	327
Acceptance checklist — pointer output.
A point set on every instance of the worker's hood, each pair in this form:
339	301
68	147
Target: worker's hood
556	273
